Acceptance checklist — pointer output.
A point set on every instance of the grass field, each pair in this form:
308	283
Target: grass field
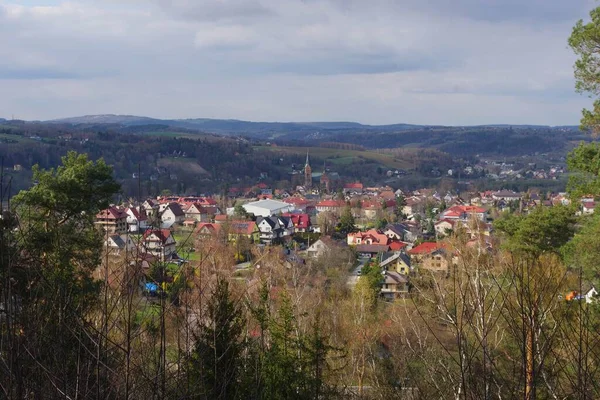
340	157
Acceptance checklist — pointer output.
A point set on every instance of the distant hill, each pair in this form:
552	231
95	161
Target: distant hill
494	139
263	129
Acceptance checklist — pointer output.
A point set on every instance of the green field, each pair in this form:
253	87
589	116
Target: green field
340	157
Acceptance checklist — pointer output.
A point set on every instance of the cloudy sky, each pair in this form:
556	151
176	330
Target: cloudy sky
377	61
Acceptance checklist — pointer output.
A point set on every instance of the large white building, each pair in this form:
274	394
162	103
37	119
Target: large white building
266	208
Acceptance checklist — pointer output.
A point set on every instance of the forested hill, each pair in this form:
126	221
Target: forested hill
498	139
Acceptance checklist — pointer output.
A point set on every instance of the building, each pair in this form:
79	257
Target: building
372	236
274	228
112	220
397	261
394	285
431	256
136	220
355	187
301	222
266	208
246	229
320	247
307	174
160	244
171	214
336	206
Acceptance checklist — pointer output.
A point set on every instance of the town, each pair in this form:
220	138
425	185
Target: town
404	233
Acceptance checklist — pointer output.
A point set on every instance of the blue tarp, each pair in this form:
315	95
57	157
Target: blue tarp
151	287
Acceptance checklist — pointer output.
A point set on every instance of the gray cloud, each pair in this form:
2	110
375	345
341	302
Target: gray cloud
420	61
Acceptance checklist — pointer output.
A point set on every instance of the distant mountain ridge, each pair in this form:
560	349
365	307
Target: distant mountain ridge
234	126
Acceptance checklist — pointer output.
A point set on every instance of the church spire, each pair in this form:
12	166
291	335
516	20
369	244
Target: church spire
307	163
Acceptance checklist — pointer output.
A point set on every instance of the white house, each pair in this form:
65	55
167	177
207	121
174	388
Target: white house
171	215
160	243
119	244
274	228
136	221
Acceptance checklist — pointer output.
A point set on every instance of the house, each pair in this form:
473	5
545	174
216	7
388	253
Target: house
336	206
159	243
397	261
590	294
464	213
372	209
587	206
356	187
395	285
412	205
274	229
444	226
150	207
402	232
119	244
320	247
372	236
136	221
199	212
431	256
112	220
266	208
171	215
301	222
506	195
372	250
207	229
300	204
246	229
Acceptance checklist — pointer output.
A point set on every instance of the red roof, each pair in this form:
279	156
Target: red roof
300	221
426	248
376	236
297	201
161	234
331	203
397	246
137	215
451	222
243	227
111	213
208	226
356	185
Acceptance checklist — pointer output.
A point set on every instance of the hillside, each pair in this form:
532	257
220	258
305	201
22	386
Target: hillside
463	141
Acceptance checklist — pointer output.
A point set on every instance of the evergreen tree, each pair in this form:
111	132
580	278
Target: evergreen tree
347	223
217	355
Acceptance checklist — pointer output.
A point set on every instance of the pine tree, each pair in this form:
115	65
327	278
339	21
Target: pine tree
217	355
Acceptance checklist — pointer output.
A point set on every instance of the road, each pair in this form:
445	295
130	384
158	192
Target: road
353	278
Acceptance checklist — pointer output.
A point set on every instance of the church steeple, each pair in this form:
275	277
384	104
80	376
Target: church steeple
307	173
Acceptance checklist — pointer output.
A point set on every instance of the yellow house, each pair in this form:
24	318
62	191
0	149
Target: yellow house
398	262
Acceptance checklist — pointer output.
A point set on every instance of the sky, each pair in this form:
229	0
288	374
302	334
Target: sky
450	62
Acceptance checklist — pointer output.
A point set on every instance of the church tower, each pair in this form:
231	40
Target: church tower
307	174
325	181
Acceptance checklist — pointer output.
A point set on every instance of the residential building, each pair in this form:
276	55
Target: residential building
301	222
171	214
112	221
394	285
397	261
159	243
372	236
274	228
136	221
